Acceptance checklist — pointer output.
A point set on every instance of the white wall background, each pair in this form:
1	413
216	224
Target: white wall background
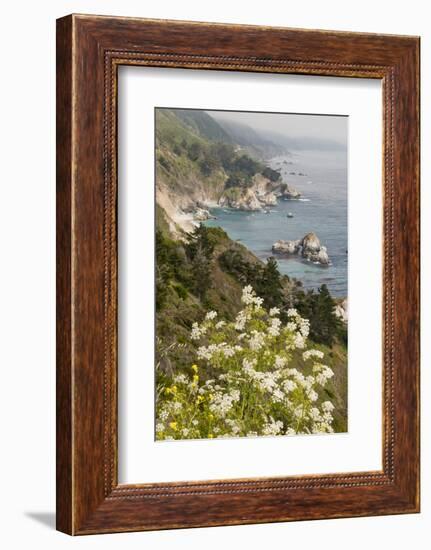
27	307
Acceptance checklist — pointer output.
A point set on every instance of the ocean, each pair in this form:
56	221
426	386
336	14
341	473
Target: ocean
322	209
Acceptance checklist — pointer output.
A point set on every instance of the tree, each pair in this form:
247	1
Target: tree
319	308
269	285
225	154
208	163
170	267
199	250
272	175
194	151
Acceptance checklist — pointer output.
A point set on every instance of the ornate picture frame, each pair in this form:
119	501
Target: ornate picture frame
89	51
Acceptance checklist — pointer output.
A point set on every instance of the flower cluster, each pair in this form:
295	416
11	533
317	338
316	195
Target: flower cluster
243	383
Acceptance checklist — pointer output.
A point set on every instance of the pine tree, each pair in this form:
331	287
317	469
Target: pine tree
269	285
319	309
199	250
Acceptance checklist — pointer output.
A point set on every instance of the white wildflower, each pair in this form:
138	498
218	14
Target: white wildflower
312	395
240	321
299	341
247	295
176	406
163	415
274	328
280	361
196	332
312	353
327	406
289	385
277	396
257	340
210	315
273	427
324	375
274	311
314	414
181	379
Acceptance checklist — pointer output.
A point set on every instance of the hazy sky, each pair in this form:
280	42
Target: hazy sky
315	127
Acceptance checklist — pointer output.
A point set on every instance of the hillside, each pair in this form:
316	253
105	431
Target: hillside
253	143
200	269
199	166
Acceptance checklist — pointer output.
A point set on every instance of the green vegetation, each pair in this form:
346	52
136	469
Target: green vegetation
253	388
208	272
204	272
187	140
272	175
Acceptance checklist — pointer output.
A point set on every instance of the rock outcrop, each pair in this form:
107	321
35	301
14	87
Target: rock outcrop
262	192
286	247
341	310
289	193
240	199
202	214
308	247
269	199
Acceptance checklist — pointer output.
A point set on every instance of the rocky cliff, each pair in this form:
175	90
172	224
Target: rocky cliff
195	171
309	248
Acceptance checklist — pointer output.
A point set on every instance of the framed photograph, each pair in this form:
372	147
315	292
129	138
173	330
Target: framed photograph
237	274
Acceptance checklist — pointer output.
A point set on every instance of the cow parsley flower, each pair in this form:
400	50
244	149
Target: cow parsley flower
312	353
210	315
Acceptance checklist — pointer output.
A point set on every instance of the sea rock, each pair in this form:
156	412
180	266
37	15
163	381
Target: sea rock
309	247
312	249
290	193
286	247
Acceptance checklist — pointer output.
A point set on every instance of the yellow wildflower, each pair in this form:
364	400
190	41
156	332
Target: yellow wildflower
195	368
173	425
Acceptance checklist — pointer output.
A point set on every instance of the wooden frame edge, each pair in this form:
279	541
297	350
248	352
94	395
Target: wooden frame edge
103	506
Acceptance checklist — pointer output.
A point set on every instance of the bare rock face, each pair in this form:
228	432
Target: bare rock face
291	193
202	214
285	191
286	247
311	243
312	249
308	247
341	310
241	200
269	199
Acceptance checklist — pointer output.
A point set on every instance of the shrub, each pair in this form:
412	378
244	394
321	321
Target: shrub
272	175
253	390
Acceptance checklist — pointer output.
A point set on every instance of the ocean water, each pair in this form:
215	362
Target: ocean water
322	208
